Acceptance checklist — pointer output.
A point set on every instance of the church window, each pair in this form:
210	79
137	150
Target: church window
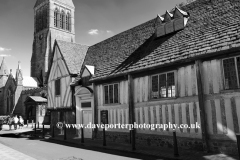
56	16
62	20
68	21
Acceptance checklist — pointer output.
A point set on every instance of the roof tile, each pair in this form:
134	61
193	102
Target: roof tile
73	54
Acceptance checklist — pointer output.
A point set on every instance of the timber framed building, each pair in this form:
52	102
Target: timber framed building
182	67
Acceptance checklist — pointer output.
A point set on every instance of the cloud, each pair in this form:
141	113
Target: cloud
4	49
5	55
98	32
93	32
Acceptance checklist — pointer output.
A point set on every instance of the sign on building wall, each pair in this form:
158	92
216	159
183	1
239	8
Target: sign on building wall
104	116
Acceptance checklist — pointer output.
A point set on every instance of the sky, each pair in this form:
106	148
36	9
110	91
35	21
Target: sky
95	20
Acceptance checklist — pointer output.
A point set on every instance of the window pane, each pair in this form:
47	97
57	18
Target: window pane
171	85
115	93
230	73
106	94
162	85
110	93
155	93
238	68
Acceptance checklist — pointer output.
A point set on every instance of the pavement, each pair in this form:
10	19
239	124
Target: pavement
7	153
160	152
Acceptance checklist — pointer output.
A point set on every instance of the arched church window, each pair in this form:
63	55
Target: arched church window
56	16
68	21
62	20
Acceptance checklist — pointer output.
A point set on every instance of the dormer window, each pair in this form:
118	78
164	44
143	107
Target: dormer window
171	22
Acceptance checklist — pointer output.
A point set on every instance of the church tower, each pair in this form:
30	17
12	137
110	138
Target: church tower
53	19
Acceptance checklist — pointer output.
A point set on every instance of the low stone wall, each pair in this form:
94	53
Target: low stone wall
216	146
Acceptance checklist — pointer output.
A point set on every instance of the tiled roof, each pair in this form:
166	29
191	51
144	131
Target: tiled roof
213	26
68	2
73	55
109	54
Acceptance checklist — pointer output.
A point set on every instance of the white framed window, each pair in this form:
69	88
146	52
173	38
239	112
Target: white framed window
111	93
231	71
163	85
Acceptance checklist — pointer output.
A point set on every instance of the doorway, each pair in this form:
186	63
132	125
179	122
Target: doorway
87	119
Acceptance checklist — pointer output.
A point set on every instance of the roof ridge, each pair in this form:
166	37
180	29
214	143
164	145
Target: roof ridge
123	31
73	43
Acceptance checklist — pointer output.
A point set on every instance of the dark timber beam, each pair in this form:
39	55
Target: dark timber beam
205	139
95	110
131	109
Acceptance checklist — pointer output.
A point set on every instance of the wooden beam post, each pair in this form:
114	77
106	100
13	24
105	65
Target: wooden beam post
131	109
205	139
95	109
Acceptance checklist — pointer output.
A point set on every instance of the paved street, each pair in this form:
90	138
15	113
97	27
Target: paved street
13	145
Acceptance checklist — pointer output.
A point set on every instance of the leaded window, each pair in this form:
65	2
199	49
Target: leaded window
63	20
56	18
111	93
163	86
68	21
231	68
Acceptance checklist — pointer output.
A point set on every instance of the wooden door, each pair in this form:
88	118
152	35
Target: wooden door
87	119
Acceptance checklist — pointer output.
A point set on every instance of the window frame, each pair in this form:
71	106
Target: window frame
58	95
175	83
104	101
236	69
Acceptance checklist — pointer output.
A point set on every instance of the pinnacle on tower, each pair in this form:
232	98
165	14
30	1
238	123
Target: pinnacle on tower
3	68
19	76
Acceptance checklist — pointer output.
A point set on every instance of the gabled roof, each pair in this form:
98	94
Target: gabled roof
67	2
107	55
3	68
213	26
73	55
36	99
